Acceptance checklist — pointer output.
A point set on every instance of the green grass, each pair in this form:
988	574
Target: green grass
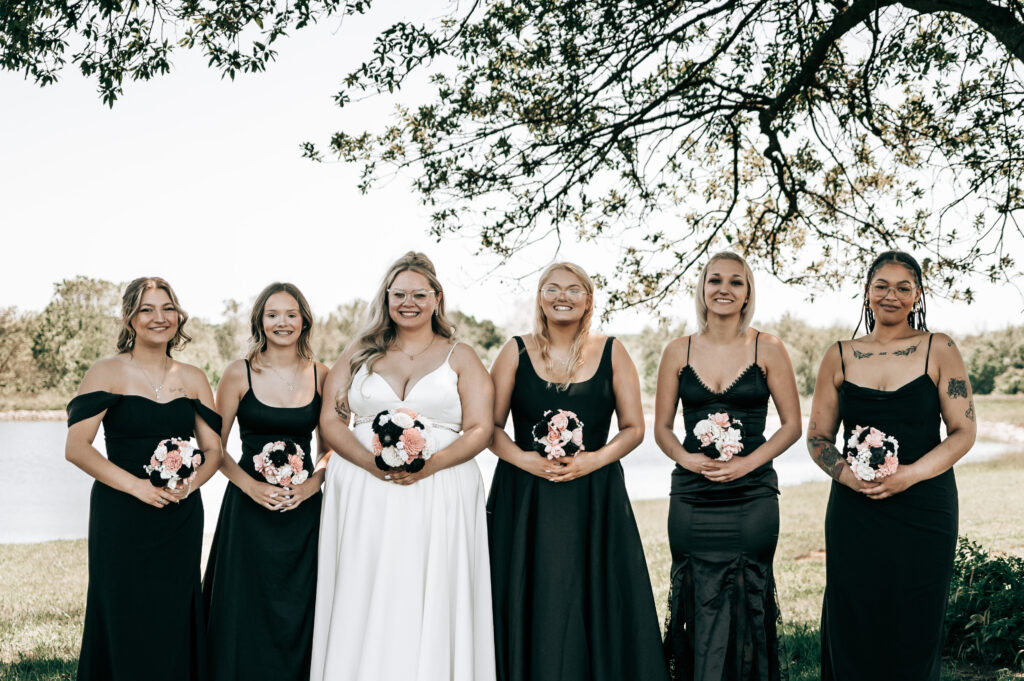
42	593
1001	408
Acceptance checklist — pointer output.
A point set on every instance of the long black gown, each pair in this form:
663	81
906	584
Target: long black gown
722	609
889	562
260	582
143	614
572	596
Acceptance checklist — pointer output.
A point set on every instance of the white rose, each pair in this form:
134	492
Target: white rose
384	418
300	477
391	457
272	479
403	420
173	482
160	453
864	471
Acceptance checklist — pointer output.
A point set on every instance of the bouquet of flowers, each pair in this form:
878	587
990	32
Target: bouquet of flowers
558	434
280	463
174	461
720	436
402	439
871	453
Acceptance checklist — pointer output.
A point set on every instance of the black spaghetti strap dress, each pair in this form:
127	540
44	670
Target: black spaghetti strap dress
889	562
143	614
723	614
572	596
260	582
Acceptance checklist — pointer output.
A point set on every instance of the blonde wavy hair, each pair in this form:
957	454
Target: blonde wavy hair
746	312
131	302
379	333
257	334
540	324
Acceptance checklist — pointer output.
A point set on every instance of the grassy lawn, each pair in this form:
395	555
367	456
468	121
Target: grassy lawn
42	594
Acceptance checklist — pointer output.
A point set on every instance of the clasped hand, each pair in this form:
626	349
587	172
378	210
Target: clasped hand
882	489
160	497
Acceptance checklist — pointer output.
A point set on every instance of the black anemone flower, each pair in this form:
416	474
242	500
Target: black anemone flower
171	447
155	478
379	460
570	448
877	456
415	466
389	434
540	430
278	458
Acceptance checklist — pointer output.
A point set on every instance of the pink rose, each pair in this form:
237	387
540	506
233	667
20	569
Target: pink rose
295	461
258	462
721	419
375	445
554	436
287	480
554	452
728	450
173	461
413	441
559	421
888	467
577	437
196	460
153	462
875	438
707	439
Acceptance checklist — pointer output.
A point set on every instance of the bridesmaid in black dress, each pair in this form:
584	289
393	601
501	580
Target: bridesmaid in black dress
890	542
572	596
723	519
260	582
145	542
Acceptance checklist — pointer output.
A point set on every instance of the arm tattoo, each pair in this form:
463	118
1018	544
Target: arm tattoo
950	343
970	412
342	410
824	453
861	355
909	351
957	387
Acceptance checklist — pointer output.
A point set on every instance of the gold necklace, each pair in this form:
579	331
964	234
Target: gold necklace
290	384
416	354
156	388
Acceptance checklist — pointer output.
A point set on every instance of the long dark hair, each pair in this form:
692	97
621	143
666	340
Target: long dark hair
916	318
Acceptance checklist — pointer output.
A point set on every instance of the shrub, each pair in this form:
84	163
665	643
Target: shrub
985	614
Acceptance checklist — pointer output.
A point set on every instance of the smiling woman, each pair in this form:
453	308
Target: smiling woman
145	531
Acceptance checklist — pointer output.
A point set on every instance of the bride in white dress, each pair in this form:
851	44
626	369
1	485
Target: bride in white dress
403	589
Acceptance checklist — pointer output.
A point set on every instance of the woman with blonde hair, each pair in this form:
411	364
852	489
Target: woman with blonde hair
403	588
723	522
260	581
572	597
145	511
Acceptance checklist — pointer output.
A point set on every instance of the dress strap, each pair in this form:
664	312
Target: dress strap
689	342
248	373
87	405
841	362
606	356
520	344
755	346
454	345
927	355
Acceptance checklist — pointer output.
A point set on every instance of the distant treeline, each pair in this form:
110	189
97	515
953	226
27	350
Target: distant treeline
44	355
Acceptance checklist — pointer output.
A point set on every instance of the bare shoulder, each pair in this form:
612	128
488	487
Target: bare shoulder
945	348
234	374
770	345
463	356
103	375
192	377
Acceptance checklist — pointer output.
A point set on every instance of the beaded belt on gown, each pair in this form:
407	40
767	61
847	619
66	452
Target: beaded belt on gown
454	427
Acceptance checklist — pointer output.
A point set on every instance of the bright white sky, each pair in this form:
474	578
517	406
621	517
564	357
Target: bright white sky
201	181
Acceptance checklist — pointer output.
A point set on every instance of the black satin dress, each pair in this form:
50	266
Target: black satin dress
572	596
260	582
889	562
143	615
722	610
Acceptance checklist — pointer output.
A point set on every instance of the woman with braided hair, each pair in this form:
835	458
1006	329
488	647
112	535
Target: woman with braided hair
891	523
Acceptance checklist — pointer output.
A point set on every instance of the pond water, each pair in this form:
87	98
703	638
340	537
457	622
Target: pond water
49	499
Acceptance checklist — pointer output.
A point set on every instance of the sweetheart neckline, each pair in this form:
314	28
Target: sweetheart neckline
414	385
719	393
895	390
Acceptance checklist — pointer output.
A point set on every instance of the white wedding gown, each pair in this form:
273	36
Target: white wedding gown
403	590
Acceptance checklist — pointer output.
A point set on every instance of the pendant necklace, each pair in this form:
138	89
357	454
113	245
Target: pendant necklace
416	354
156	388
290	384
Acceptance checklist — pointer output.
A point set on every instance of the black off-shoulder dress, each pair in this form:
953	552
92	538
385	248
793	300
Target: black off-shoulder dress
143	615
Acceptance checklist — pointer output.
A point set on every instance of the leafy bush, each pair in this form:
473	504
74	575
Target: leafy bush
985	614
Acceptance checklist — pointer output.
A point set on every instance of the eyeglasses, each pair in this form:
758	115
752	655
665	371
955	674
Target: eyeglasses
552	292
419	296
901	291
